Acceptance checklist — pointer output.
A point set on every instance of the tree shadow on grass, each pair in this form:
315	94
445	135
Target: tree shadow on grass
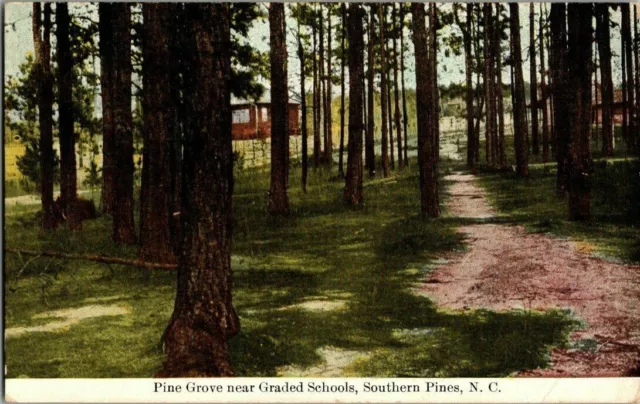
403	334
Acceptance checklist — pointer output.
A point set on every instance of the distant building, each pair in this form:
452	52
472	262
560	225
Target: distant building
596	110
253	120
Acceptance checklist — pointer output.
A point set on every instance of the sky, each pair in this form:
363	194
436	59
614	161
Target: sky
450	68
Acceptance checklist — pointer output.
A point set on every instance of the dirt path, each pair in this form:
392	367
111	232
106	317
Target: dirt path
505	267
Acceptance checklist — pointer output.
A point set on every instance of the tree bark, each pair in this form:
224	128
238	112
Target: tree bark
123	219
383	93
389	101
405	120
316	101
603	37
68	175
105	28
303	106
42	46
543	89
435	93
625	108
343	10
478	94
502	159
519	111
398	116
535	144
322	85
370	155
178	72
467	31
159	121
426	154
561	93
636	53
353	183
328	146
579	53
630	87
278	199
204	318
488	84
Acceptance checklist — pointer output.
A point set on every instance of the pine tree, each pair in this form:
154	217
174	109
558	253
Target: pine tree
42	46
579	53
424	100
68	175
204	318
353	182
370	157
159	121
383	93
519	124
278	199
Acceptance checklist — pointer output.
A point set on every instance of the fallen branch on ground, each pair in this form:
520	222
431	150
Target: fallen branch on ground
623	344
95	258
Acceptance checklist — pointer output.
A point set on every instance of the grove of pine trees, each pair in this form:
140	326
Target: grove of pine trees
193	58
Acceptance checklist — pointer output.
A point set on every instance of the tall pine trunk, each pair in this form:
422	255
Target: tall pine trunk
42	47
519	111
178	72
561	93
328	146
502	159
579	53
488	83
389	102
353	183
636	58
123	205
159	121
426	154
606	82
68	175
316	101
535	144
435	94
630	82
105	27
370	155
383	93
343	11
322	84
467	32
405	120
303	107
278	199
478	94
204	318
543	88
396	88
636	53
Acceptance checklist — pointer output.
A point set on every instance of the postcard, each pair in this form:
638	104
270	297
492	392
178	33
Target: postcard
321	202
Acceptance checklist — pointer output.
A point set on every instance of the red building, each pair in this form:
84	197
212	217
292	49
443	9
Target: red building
253	120
596	110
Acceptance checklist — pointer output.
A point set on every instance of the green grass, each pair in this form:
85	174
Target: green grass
614	230
370	256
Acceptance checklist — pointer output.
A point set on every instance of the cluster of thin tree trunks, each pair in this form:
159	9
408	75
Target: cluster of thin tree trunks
187	176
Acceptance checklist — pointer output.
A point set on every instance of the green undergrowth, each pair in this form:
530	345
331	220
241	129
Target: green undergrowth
614	229
366	259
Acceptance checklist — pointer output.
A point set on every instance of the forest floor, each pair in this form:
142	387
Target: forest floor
331	290
506	267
